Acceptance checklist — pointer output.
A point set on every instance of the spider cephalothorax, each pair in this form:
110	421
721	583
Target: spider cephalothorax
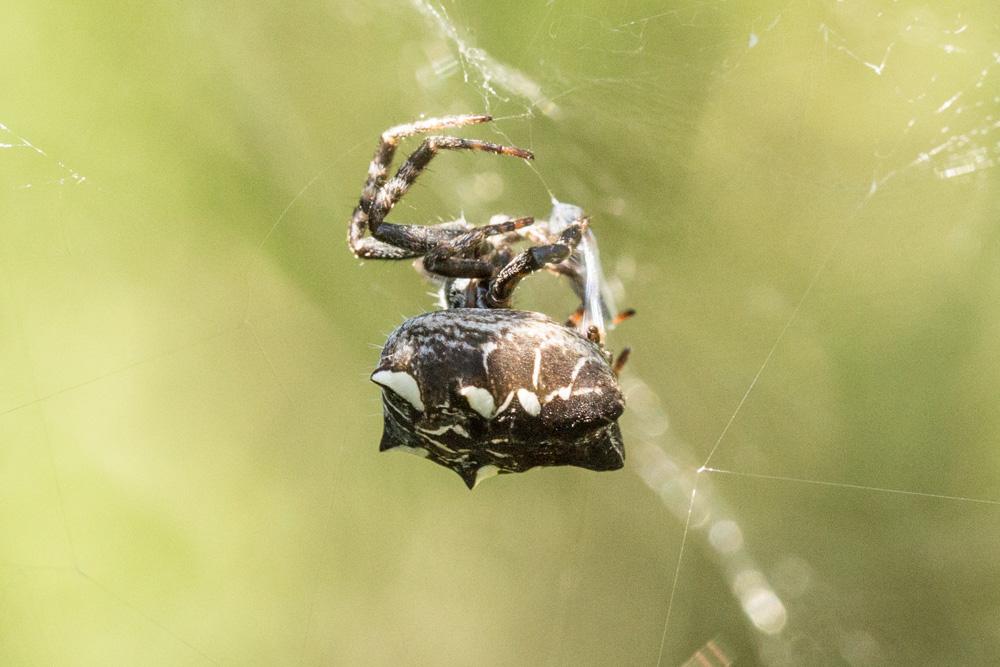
481	388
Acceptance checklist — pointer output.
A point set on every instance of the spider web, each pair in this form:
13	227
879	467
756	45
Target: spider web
799	199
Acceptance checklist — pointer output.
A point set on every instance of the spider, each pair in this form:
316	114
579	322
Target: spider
479	387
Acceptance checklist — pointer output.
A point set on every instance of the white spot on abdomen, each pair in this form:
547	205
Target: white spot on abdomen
564	392
403	384
529	401
479	400
538	367
487	349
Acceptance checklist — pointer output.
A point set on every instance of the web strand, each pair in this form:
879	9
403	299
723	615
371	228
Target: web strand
856	487
677	572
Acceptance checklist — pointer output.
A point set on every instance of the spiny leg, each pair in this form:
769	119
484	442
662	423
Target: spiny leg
378	171
397	186
416	239
460	257
365	247
448	238
529	261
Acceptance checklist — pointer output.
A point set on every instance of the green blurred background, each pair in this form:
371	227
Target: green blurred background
800	199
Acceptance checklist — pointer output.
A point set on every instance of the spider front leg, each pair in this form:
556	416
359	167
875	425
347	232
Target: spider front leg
378	172
398	185
380	195
461	257
502	286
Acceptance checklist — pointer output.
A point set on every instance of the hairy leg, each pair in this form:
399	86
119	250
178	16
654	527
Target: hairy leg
461	257
378	172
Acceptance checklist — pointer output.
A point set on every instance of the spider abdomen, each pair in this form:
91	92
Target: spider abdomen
483	391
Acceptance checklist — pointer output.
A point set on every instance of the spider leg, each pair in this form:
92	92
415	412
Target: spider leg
368	248
529	261
426	236
400	241
572	268
397	186
448	238
460	257
378	172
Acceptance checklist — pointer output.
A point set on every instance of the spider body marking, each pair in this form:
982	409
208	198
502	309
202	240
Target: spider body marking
481	388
